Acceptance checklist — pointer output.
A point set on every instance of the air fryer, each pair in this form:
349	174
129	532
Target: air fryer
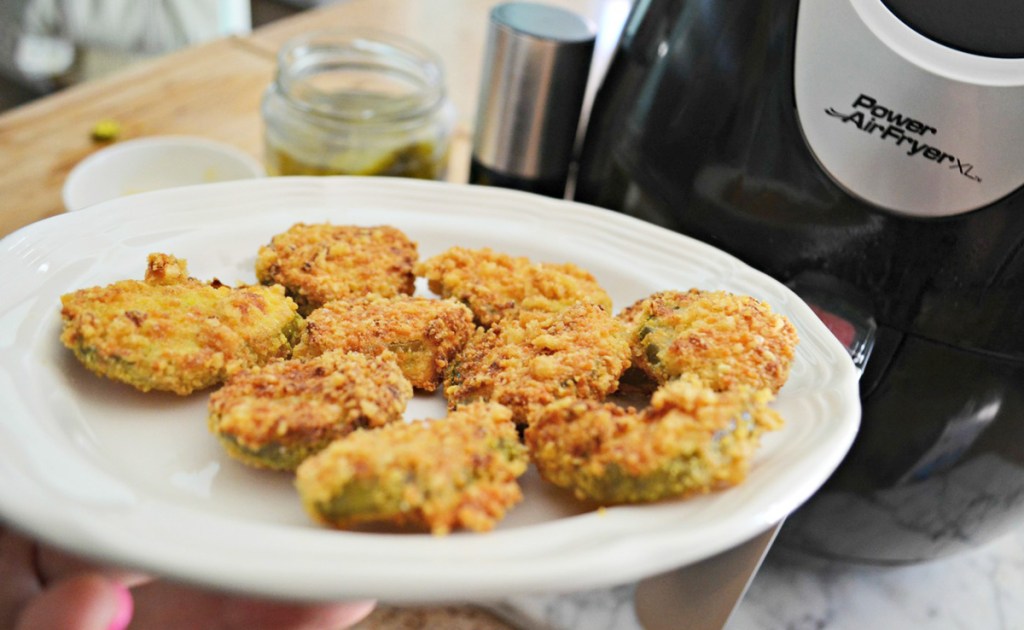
869	154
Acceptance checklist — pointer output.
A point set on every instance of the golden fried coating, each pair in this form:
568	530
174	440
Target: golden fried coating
317	263
175	333
690	440
495	285
577	353
425	334
277	415
724	339
167	269
435	474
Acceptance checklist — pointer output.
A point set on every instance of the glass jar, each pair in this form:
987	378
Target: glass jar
357	103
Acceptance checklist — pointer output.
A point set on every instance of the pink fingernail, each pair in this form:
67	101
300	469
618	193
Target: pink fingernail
125	608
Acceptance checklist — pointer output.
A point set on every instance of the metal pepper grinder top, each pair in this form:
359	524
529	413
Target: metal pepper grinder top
534	79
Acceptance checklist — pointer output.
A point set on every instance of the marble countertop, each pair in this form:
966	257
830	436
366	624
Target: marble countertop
978	589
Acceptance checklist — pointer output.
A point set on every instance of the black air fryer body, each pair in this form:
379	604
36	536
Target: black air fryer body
696	128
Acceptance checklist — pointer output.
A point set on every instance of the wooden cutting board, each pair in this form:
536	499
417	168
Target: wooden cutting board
212	90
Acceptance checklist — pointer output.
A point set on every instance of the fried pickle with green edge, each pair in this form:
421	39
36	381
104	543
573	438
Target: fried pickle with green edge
425	334
457	472
690	440
277	415
495	285
577	353
317	263
174	333
723	338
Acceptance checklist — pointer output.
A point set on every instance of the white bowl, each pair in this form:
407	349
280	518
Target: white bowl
144	164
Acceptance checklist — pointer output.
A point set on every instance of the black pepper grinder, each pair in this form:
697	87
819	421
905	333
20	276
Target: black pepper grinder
534	78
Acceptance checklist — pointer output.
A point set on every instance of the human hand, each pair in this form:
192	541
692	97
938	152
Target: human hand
41	588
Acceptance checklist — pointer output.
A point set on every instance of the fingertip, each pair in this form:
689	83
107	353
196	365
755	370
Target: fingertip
124	606
84	602
353	612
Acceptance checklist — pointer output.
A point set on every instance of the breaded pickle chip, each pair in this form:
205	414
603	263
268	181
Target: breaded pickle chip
690	440
317	263
175	333
495	285
724	339
424	334
460	471
578	353
277	415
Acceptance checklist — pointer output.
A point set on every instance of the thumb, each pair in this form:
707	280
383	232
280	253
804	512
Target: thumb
84	602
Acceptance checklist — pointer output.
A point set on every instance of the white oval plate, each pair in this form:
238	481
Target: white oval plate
135	479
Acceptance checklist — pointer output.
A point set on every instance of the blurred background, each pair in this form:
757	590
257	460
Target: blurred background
46	45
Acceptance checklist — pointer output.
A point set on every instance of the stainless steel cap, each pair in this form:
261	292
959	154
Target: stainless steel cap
535	75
